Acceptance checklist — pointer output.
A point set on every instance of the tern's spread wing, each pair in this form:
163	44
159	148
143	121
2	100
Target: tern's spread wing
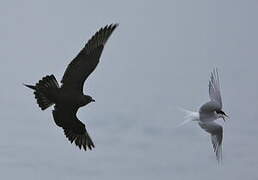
214	88
74	129
216	132
87	60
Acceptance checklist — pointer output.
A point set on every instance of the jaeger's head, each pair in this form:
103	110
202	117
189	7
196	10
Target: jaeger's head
222	114
86	100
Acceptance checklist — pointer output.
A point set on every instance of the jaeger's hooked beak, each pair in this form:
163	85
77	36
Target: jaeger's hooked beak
93	100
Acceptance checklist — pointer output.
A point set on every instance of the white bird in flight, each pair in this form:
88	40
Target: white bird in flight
209	112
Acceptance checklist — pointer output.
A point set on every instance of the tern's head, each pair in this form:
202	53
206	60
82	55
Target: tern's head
222	114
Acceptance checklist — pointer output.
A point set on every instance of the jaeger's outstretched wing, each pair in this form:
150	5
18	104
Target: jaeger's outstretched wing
216	132
86	61
73	128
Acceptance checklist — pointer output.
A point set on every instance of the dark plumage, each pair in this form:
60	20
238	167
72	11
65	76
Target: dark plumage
69	97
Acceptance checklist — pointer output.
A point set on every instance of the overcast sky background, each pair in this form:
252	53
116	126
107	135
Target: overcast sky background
157	60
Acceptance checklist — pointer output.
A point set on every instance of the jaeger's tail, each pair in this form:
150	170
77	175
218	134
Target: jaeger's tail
30	86
44	91
189	116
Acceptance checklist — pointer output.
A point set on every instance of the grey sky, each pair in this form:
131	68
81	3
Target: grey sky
157	60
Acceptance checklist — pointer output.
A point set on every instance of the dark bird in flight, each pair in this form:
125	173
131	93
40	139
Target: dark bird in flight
69	97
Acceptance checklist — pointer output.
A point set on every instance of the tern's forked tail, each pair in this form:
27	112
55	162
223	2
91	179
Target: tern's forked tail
189	116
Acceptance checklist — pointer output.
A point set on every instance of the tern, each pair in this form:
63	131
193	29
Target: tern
209	112
69	97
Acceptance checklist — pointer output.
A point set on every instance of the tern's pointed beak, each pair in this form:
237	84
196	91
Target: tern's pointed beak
225	117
